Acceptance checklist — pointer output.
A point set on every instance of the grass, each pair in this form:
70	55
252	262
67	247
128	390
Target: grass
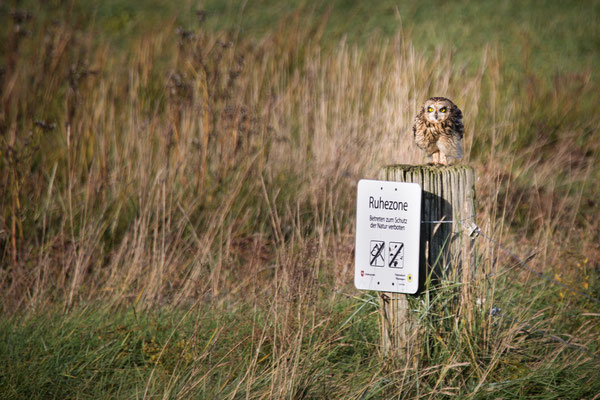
545	38
178	209
206	352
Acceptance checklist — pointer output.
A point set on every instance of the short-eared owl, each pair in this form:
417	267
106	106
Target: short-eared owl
438	130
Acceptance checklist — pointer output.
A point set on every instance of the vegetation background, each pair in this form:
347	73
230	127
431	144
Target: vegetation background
178	182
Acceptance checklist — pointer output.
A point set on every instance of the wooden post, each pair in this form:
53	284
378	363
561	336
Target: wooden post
446	251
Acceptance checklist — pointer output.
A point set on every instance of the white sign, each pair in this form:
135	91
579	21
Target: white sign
388	228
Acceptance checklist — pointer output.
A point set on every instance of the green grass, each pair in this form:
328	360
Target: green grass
328	350
542	37
206	352
177	217
548	37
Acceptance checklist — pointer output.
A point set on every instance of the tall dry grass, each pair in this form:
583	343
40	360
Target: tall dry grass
202	168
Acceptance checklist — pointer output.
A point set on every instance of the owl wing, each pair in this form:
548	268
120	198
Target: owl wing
458	127
418	131
414	128
422	139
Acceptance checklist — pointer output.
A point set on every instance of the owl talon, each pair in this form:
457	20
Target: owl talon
443	159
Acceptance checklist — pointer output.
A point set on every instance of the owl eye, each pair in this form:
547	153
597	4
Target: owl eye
443	109
429	109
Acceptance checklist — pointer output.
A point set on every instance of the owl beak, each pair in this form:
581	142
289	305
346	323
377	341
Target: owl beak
435	116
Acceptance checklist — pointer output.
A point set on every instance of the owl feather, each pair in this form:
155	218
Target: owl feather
438	130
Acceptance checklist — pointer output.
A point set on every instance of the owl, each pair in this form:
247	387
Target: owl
439	129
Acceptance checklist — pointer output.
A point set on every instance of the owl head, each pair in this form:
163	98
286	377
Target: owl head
438	109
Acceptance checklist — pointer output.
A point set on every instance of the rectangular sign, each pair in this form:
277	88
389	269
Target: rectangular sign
388	230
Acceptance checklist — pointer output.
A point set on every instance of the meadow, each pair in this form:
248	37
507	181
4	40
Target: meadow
178	197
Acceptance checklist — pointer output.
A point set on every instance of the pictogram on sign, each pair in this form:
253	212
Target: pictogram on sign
377	254
396	255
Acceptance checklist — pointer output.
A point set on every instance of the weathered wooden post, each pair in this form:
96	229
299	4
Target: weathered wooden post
448	208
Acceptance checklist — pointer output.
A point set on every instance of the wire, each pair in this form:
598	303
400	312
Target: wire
527	328
475	231
448	222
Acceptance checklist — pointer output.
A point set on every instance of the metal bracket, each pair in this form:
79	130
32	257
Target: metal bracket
473	229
